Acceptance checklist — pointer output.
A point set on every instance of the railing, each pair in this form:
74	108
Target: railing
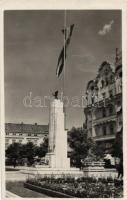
101	120
94	164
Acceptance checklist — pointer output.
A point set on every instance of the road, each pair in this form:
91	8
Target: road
15	188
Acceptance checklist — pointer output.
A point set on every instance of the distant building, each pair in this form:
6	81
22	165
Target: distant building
24	133
103	112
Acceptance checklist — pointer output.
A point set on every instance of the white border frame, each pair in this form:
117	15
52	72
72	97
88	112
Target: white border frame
54	5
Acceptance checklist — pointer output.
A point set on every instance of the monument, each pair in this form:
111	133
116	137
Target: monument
57	154
58	162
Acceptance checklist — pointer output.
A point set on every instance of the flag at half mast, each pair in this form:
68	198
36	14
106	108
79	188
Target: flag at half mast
61	59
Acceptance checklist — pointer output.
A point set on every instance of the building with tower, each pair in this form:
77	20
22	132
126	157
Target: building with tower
103	112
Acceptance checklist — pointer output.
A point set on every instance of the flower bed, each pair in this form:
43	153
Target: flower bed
86	187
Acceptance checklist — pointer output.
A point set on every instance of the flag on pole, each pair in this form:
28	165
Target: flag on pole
61	59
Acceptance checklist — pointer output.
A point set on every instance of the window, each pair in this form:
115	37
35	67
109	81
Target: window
111	79
13	141
14	133
119	103
110	93
20	134
104	130
29	134
7	133
92	88
102	82
103	94
108	145
110	110
35	134
120	74
106	71
35	141
104	112
20	141
111	129
106	81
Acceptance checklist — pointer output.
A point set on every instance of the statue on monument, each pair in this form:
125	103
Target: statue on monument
55	94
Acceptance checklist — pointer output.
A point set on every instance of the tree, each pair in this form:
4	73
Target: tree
16	152
42	149
13	153
83	147
80	144
29	150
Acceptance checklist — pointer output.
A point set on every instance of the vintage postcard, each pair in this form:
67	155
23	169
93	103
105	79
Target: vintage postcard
63	99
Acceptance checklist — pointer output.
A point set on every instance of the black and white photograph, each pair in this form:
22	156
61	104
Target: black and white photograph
63	103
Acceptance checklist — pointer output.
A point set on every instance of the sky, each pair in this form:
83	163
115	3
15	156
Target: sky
32	44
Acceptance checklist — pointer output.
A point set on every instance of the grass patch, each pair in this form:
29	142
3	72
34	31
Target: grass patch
17	188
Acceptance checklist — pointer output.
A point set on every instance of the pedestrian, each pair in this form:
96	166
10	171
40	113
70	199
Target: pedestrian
120	169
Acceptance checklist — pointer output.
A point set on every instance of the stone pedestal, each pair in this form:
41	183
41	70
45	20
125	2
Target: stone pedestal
57	137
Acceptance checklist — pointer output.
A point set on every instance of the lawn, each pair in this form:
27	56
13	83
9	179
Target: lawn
18	189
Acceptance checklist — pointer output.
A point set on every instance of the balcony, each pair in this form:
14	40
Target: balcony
104	120
104	138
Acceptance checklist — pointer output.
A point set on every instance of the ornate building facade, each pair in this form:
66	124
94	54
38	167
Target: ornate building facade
103	112
24	133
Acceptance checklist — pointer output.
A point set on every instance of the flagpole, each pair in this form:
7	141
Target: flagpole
65	35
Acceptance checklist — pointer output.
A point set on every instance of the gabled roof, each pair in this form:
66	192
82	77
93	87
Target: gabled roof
26	128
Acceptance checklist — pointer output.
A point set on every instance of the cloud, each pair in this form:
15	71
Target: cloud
106	28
